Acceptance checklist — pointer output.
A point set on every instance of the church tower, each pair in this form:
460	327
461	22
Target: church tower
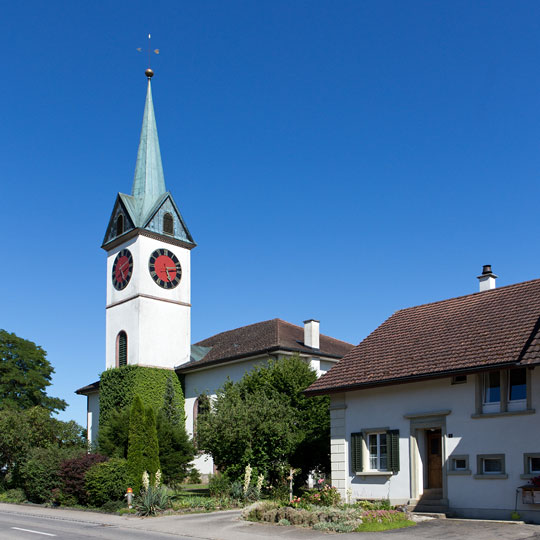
148	245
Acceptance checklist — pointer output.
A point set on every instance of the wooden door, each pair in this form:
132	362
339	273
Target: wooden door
434	458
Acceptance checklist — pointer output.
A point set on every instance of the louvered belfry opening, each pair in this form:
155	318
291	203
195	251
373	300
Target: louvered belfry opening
121	349
168	224
119	225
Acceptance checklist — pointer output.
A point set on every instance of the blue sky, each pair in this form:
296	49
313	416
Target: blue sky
334	160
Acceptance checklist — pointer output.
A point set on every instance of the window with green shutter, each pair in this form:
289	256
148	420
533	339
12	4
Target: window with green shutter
121	349
393	450
356	452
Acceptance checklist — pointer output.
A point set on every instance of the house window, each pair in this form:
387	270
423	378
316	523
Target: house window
503	391
517	384
531	464
459	379
492	387
119	225
121	349
378	452
458	464
491	466
168	224
374	451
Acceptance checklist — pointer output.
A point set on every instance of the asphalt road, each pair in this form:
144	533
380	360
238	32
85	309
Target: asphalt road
37	523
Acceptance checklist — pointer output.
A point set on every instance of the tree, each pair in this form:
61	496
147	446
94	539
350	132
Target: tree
25	372
151	448
135	459
22	431
176	450
265	420
113	437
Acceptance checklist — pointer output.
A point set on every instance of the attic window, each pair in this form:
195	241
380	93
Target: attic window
459	379
119	225
168	224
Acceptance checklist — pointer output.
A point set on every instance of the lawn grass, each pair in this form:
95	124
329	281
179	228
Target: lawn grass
376	527
195	489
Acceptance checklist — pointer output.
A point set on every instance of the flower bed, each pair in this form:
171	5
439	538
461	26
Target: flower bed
347	518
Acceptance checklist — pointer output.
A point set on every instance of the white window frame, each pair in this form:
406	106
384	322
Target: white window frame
378	456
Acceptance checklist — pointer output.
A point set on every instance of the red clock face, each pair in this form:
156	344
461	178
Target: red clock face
165	268
122	269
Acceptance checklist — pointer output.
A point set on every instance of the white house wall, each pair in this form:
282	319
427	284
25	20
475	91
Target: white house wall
92	421
386	407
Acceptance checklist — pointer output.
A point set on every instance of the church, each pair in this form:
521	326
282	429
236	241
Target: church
148	301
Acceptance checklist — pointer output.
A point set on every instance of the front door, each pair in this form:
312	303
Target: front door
434	451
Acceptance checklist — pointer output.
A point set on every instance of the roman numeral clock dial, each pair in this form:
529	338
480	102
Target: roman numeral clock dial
122	269
165	268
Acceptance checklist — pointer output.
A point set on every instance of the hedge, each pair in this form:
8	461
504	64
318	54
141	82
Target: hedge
118	387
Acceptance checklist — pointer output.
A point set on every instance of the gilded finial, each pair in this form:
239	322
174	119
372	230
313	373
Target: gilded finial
149	73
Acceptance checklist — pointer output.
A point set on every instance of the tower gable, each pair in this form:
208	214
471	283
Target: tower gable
165	219
120	211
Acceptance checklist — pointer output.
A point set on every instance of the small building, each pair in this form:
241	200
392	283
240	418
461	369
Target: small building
437	408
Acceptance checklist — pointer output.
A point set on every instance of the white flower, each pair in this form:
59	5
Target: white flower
247	478
158	478
145	480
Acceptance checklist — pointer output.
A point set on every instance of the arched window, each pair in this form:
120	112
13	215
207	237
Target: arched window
200	406
168	224
119	225
121	349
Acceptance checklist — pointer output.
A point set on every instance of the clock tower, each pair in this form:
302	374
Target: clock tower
148	245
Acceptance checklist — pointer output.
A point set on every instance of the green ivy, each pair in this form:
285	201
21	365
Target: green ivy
118	387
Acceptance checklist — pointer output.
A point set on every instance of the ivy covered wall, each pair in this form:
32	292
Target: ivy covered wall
118	387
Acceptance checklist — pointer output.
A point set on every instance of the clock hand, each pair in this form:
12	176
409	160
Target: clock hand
167	272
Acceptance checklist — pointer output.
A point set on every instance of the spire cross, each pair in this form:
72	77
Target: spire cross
150	51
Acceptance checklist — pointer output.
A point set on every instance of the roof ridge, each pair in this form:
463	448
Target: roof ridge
491	291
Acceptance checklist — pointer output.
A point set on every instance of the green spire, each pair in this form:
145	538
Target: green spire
148	182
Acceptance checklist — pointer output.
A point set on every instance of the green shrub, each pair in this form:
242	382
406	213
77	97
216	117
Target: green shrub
40	473
194	476
72	475
284	522
107	481
219	485
326	496
13	496
151	446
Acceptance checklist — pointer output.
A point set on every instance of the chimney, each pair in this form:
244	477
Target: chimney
311	333
487	279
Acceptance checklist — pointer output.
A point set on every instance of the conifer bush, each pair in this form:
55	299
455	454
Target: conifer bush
137	441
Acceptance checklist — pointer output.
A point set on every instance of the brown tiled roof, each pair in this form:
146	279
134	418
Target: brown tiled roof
468	333
260	338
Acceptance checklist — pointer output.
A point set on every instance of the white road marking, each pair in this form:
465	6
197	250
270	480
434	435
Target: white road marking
31	531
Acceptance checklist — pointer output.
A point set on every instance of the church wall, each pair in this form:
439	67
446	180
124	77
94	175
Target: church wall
92	417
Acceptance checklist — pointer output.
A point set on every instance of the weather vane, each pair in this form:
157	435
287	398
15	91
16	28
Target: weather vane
149	73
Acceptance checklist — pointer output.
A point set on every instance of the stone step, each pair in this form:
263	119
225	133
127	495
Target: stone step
419	508
432	502
431	494
436	515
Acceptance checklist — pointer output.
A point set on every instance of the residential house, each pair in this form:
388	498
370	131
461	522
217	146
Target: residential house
437	408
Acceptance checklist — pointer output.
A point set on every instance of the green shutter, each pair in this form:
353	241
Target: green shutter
122	349
393	450
356	452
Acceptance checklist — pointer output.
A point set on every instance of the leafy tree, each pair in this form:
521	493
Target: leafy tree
137	440
22	431
25	372
266	420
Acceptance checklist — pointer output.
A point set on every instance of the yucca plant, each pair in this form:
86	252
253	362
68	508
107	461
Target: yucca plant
152	500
